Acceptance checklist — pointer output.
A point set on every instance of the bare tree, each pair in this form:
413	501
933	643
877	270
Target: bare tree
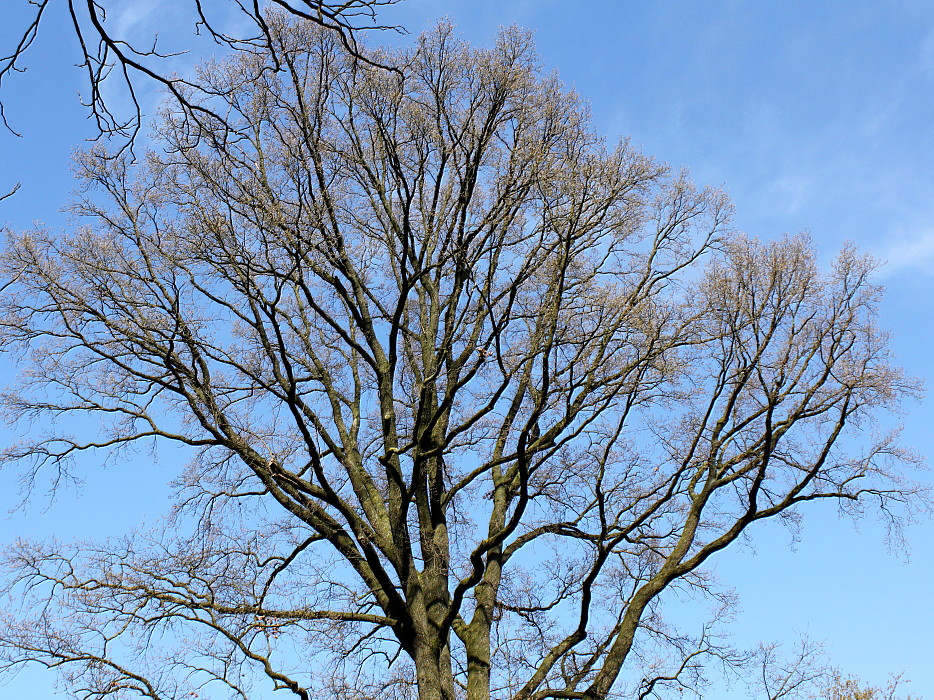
806	673
467	390
793	677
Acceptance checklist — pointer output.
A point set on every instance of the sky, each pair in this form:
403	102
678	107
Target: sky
814	116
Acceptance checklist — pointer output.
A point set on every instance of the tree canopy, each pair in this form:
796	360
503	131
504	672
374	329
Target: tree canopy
466	389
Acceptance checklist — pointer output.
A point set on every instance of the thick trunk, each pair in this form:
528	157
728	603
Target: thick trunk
427	677
428	606
433	673
477	636
478	663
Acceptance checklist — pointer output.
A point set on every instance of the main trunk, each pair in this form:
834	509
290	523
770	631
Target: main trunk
433	672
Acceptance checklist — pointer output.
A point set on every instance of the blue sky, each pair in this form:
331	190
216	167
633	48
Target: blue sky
814	116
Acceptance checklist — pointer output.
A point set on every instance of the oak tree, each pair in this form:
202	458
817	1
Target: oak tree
466	389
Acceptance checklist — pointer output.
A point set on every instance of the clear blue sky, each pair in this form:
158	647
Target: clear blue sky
814	116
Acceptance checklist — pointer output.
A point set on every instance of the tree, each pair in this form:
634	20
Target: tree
849	688
467	390
781	677
805	673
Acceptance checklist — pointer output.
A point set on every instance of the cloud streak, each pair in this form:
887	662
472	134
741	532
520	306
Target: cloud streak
914	255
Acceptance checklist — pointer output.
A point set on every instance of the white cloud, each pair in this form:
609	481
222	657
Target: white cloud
916	254
131	15
926	53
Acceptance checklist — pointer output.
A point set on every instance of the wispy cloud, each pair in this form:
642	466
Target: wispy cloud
134	15
914	255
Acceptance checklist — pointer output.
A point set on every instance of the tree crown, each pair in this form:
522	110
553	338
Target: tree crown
467	389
